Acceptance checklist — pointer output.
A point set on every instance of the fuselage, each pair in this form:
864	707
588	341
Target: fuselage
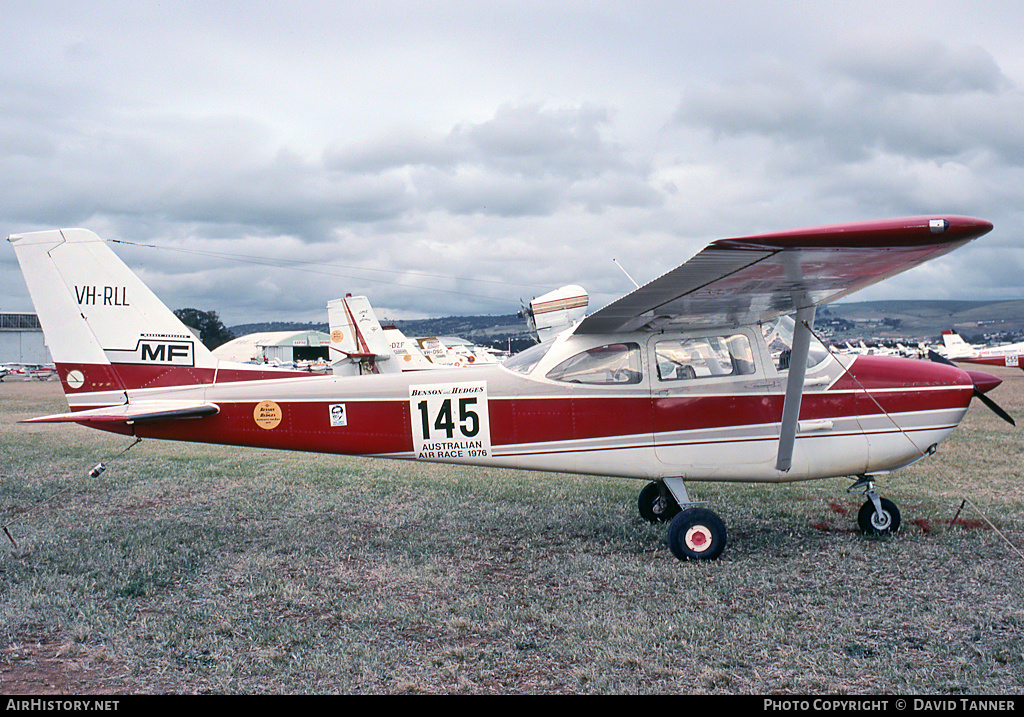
643	405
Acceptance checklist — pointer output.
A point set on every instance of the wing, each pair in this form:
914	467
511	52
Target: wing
745	280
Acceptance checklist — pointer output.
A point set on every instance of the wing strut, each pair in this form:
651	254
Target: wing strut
794	387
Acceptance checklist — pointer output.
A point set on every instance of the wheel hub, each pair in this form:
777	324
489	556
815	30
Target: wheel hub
881	521
698	538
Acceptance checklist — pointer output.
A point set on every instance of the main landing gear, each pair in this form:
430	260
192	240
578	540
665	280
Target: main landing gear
694	533
878	516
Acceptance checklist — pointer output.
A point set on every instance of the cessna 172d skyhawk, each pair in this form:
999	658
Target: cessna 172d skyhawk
702	374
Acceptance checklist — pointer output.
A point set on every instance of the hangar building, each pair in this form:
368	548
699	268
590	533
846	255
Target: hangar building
276	347
21	339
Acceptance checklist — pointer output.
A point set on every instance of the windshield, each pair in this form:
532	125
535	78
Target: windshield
525	361
614	363
778	335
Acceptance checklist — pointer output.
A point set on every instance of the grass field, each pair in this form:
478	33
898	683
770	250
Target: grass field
204	569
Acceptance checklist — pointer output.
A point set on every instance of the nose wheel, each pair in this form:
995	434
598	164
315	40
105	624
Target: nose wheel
878	516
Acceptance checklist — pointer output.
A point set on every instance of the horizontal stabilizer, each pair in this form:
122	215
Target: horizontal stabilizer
362	355
133	413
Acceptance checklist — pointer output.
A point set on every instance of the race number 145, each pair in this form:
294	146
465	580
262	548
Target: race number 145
450	421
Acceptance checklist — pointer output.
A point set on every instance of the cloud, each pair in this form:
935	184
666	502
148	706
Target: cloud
526	160
923	127
918	66
452	158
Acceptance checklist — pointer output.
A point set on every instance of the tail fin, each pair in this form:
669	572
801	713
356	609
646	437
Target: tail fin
367	347
438	353
407	353
357	336
558	310
106	331
956	347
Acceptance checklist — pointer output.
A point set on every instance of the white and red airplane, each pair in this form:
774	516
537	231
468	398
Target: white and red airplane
366	347
554	312
28	371
700	375
956	349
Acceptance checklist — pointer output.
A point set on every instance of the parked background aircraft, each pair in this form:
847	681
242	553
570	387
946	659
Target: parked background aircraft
28	371
364	346
701	374
552	313
956	349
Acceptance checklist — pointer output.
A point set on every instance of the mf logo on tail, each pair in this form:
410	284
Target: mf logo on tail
156	351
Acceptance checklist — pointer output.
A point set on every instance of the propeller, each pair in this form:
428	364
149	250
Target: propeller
526	312
982	382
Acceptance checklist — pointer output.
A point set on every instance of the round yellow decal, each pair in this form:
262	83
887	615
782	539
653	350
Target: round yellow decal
267	414
337	336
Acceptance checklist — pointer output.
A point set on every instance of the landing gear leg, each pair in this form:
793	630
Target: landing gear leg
878	516
695	533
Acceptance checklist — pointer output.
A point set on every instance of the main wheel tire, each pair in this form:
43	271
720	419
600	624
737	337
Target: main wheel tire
696	534
656	504
871	523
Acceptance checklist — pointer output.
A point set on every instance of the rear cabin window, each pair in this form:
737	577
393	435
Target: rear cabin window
604	365
684	359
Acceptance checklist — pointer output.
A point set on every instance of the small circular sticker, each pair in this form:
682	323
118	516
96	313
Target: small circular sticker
267	414
337	336
76	379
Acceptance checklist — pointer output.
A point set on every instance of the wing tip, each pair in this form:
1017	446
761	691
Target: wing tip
921	230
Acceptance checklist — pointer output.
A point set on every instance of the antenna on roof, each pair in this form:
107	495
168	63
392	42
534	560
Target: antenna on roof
626	273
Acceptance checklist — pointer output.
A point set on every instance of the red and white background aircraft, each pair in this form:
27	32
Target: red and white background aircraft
708	373
28	371
366	347
956	349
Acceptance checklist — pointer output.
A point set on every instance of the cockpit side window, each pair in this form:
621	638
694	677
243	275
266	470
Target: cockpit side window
610	364
681	359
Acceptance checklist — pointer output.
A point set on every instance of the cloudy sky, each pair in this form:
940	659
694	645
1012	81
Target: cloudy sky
454	157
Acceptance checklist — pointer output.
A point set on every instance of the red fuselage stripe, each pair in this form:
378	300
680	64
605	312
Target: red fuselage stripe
383	426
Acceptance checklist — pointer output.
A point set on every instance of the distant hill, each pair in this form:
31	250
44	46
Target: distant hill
871	321
926	320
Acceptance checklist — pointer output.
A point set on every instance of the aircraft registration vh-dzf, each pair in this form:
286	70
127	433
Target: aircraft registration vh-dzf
708	373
